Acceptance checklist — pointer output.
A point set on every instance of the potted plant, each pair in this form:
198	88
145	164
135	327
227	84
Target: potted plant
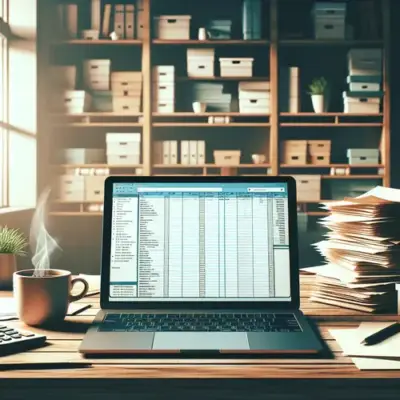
12	244
319	94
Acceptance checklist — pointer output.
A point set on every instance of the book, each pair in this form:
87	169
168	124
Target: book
96	14
105	30
129	21
71	20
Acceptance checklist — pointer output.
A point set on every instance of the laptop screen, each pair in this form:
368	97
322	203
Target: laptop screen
199	242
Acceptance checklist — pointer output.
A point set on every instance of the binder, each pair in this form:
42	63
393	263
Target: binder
294	90
192	152
129	21
95	16
173	152
139	24
106	20
185	152
71	20
201	152
166	152
158	152
119	20
251	19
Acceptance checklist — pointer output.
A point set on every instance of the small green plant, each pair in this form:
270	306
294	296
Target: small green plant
12	241
319	86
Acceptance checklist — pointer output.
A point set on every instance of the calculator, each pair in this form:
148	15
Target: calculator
18	340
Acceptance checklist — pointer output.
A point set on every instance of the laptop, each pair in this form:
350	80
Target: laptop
200	265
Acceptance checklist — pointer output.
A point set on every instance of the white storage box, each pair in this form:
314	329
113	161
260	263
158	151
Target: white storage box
96	67
236	67
363	156
200	68
164	73
172	27
200	53
126	104
63	76
71	188
330	29
90	34
227	157
82	156
72	102
363	86
362	105
123	143
329	9
94	188
164	91
164	107
262	105
365	61
121	159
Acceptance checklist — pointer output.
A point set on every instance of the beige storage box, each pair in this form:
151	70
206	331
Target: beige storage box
126	76
121	159
126	83
172	27
236	67
82	156
227	157
94	188
294	152
362	105
71	188
90	34
319	151
200	62
96	68
126	105
164	73
63	77
308	187
164	107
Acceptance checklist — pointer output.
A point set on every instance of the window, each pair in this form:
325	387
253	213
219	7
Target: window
18	104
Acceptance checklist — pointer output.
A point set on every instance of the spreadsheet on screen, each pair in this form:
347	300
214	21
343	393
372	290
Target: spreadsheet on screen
199	242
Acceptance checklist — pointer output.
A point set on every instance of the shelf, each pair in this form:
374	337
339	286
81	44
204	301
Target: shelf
223	78
194	42
206	125
331	124
97	166
96	114
190	114
98	124
352	177
329	114
75	214
332	166
180	166
330	42
98	42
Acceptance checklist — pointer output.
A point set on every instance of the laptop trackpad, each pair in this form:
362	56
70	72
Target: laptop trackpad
200	341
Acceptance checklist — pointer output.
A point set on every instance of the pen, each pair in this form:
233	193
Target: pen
382	335
50	365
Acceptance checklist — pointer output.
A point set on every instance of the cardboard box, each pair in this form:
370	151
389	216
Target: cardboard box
227	157
294	152
94	188
236	67
172	27
96	67
318	147
308	187
126	105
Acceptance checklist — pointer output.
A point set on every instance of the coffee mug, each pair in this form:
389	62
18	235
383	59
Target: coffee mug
45	300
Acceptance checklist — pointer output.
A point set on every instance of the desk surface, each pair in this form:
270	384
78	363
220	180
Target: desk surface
63	344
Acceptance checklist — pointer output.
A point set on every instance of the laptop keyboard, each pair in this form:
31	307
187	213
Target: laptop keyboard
128	322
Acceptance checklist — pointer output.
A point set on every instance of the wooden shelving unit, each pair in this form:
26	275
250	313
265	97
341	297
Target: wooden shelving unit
267	129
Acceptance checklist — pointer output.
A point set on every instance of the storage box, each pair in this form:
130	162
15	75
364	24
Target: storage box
71	188
63	77
329	9
236	67
200	68
362	105
317	147
82	156
365	61
123	143
172	27
358	84
330	29
126	104
227	157
164	73
94	188
294	152
126	76
72	102
120	159
90	34
308	187
164	91
363	156
254	105
164	107
96	67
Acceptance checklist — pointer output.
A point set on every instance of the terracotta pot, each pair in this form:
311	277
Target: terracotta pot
8	265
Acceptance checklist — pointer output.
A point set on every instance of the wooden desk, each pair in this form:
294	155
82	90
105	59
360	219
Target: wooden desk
326	378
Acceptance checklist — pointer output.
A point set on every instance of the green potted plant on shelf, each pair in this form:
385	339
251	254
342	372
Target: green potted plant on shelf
12	244
319	92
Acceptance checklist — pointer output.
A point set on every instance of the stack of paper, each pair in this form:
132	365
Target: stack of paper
382	356
362	250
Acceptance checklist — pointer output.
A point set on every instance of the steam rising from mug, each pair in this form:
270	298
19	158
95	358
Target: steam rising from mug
41	243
